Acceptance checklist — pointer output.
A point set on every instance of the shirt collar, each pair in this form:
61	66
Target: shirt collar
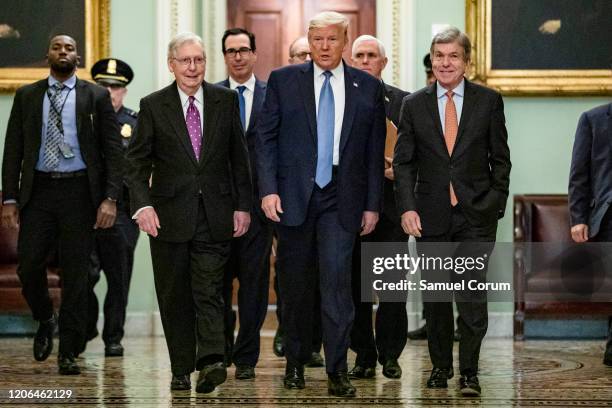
69	83
249	84
199	96
337	72
459	89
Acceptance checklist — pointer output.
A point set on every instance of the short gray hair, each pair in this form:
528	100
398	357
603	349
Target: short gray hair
450	35
328	18
184	38
367	37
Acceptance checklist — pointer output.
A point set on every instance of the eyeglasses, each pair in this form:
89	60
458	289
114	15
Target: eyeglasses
302	55
243	51
188	61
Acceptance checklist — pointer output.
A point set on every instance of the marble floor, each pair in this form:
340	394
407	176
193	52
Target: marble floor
531	373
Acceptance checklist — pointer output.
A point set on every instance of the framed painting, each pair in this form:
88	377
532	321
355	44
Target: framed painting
542	47
26	27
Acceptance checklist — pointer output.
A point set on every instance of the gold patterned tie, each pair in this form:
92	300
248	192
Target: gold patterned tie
450	134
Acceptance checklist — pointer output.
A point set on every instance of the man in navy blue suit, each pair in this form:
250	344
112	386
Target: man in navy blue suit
250	254
320	161
590	184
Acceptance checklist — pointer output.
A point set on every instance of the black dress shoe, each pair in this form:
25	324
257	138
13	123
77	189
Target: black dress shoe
113	350
439	377
418	334
338	384
244	372
180	382
278	348
469	386
211	376
294	377
360	372
316	360
608	354
67	365
391	369
43	340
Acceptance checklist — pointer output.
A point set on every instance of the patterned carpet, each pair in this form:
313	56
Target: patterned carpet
534	373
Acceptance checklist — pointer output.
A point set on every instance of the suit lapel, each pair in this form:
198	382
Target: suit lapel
211	112
306	84
257	99
350	106
37	112
82	96
174	112
432	107
469	102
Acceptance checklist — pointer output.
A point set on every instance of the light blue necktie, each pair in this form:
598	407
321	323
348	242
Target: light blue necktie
325	133
242	105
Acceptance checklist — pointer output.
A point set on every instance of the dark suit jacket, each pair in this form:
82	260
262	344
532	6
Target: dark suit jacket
97	132
590	182
393	105
251	133
479	167
162	148
287	144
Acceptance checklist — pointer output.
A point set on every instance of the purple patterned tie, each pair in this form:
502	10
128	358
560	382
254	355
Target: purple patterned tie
194	127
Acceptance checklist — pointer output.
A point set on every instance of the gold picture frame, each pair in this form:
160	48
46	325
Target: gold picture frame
528	81
94	46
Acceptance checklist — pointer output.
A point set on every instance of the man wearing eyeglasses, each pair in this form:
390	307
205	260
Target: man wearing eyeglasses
299	51
191	145
250	254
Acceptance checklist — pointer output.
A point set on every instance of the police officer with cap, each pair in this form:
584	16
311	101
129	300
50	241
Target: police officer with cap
114	249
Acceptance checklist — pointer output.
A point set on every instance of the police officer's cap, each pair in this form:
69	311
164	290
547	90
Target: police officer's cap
112	71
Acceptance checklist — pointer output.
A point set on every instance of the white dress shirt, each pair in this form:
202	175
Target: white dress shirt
458	94
248	94
199	103
337	84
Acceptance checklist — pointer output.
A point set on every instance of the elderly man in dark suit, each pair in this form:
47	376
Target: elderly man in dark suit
250	255
452	169
590	184
320	161
53	180
369	55
190	144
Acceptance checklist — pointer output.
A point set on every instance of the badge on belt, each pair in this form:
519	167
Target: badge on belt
126	130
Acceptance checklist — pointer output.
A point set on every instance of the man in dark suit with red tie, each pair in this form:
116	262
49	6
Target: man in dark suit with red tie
452	168
53	181
590	185
191	147
320	162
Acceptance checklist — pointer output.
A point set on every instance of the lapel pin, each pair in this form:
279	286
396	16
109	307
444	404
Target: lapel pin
355	85
386	99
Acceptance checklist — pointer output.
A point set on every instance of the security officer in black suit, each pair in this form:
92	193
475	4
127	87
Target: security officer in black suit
114	248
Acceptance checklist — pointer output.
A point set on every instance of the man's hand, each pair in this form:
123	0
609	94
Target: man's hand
148	221
271	206
368	222
107	212
580	233
411	223
389	168
10	216
242	220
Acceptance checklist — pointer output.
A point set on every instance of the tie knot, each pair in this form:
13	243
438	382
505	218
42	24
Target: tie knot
327	74
58	86
449	94
191	100
241	89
